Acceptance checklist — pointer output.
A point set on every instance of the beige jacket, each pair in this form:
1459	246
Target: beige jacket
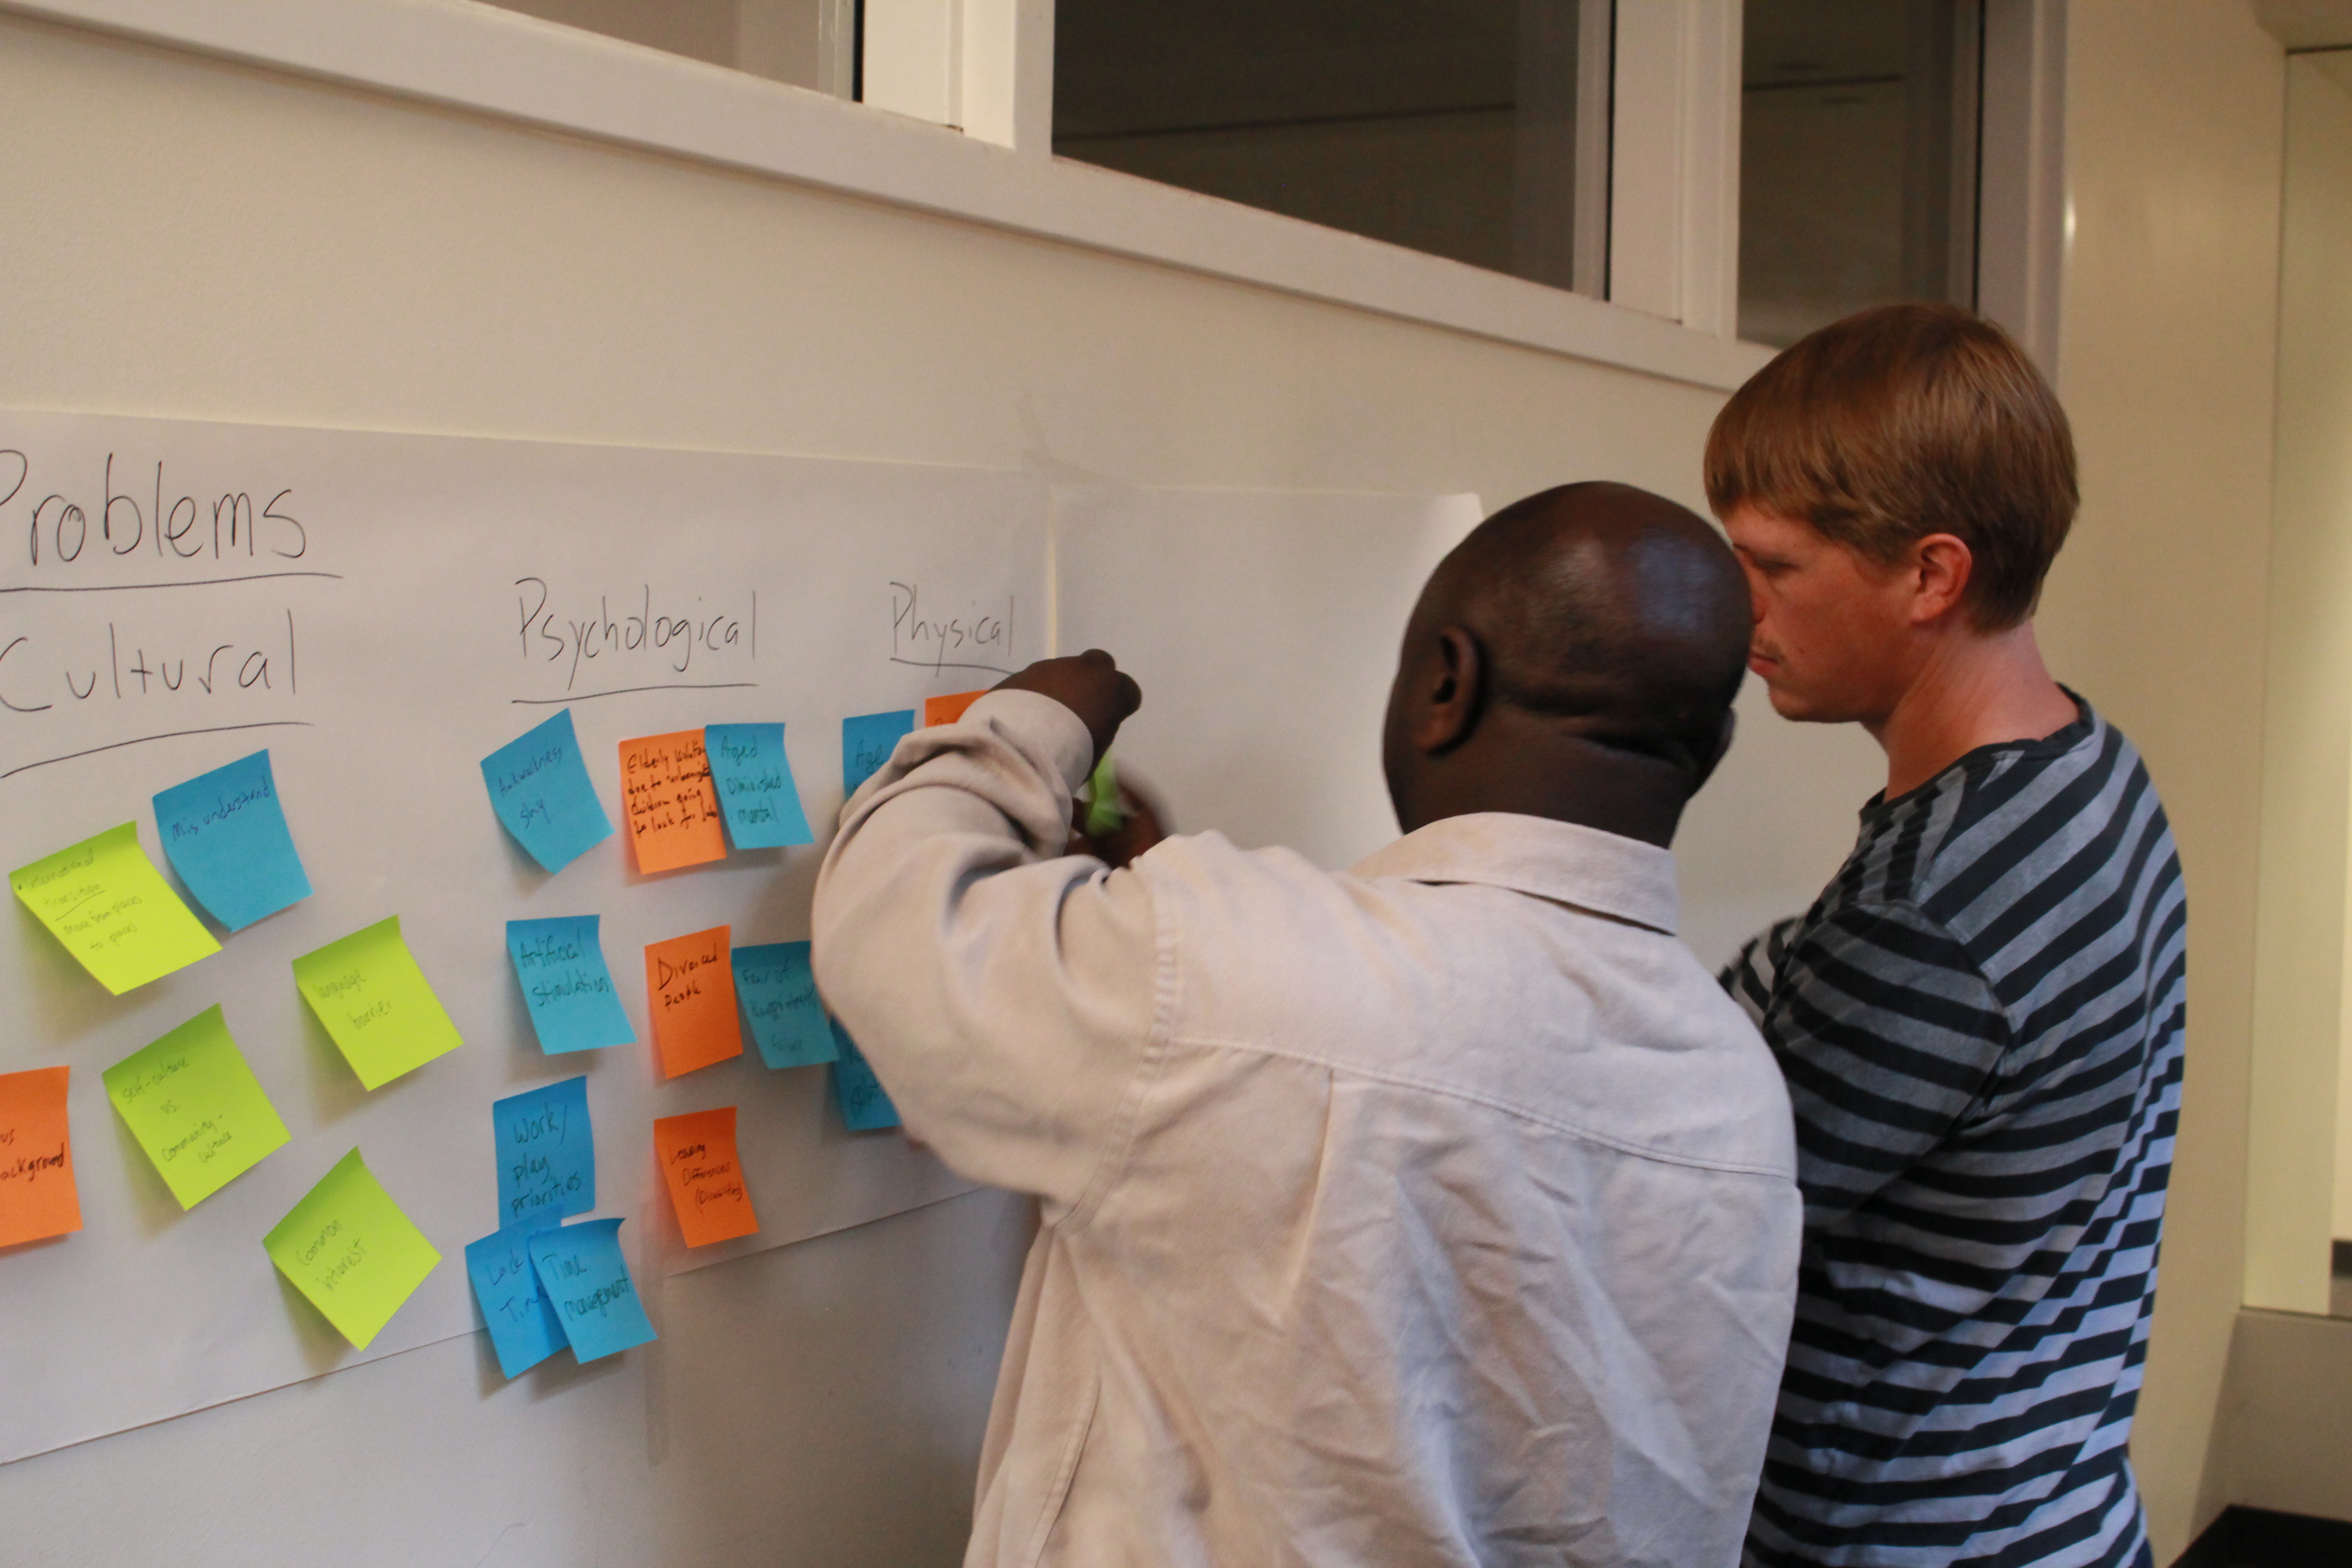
1439	1212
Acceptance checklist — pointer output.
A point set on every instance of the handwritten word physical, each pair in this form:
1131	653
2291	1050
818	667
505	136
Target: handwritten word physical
37	1194
777	991
546	1153
120	511
195	1106
560	963
724	632
698	1161
524	1329
668	803
225	833
582	1270
966	636
539	788
104	899
691	992
350	1251
374	1001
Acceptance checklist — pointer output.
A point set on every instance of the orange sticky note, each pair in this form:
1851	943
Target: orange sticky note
690	992
705	1178
37	1179
948	710
667	798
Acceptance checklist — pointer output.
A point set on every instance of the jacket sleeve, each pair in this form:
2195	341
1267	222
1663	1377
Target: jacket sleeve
1004	991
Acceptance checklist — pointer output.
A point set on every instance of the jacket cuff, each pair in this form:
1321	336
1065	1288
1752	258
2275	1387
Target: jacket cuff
1046	725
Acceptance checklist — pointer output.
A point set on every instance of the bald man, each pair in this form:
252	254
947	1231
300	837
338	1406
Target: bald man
1443	1211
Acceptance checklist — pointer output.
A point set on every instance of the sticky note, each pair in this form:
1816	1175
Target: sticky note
668	801
195	1107
859	1094
348	1248
565	984
755	785
948	710
582	1270
226	834
368	992
690	992
524	1330
106	902
698	1158
36	1178
547	1153
539	786
778	992
866	742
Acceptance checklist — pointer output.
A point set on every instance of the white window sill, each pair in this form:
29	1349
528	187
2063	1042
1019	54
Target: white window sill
501	63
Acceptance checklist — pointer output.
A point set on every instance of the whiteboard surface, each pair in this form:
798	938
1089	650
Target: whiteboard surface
453	593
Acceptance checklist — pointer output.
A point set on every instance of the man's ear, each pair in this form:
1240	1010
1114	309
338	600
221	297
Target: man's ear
1941	564
1453	693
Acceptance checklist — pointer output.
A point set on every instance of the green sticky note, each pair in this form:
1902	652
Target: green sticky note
348	1248
105	900
368	992
195	1107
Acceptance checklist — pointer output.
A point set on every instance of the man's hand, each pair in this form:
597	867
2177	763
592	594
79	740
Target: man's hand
1089	686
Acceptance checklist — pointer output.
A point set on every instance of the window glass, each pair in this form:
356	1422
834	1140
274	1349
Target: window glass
1857	149
1450	126
807	43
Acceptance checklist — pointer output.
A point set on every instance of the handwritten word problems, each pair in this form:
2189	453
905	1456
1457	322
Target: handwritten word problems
777	990
540	789
374	1001
690	992
37	1194
121	511
350	1251
546	1153
700	1163
195	1106
647	637
560	963
104	899
225	833
524	1329
582	1270
669	804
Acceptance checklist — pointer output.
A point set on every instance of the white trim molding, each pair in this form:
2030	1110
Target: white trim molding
1673	228
486	60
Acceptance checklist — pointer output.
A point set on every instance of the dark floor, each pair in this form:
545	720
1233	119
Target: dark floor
2256	1538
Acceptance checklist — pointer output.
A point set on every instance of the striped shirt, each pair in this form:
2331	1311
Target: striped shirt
1981	1024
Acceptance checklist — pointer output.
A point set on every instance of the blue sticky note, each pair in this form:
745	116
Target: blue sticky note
546	1153
539	786
865	1105
225	833
524	1330
777	991
866	742
755	787
582	1270
567	987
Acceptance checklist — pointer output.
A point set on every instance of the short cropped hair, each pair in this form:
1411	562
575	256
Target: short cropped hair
1902	421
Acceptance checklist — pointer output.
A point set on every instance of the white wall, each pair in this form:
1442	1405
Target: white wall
187	238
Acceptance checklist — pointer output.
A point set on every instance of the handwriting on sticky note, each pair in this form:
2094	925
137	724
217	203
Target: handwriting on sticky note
539	788
865	1105
582	1270
949	709
690	992
104	899
777	990
566	983
699	1162
755	786
37	1194
225	833
668	803
546	1153
524	1329
375	1003
350	1251
866	742
191	1101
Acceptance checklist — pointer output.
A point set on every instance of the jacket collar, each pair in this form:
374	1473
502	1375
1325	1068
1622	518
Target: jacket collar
1568	864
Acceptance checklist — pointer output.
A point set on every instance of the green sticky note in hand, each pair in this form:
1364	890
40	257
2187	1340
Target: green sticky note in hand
195	1107
106	902
348	1248
368	992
